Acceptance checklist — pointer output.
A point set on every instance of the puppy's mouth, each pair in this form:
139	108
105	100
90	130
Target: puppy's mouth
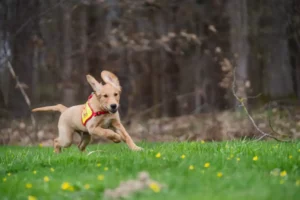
113	110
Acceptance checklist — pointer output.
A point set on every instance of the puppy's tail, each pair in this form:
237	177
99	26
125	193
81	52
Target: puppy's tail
59	107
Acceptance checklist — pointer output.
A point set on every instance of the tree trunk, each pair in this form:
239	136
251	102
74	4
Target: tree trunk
155	85
199	64
238	18
132	82
256	65
278	71
83	50
160	30
35	75
68	88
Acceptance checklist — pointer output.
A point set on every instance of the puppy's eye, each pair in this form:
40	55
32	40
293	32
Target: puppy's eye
116	94
105	95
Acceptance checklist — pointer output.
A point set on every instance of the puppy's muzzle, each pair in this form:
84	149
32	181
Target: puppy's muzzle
113	108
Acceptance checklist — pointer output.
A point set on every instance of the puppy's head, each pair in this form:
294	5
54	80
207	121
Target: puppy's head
108	95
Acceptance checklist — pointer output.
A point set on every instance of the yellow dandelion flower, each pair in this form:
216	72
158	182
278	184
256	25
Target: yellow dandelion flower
4	179
40	145
158	155
219	174
183	156
67	186
8	174
87	186
28	185
281	181
283	173
202	141
255	158
290	156
32	197
297	183
238	159
191	167
100	177
105	168
206	165
98	164
155	187
46	179
52	169
34	172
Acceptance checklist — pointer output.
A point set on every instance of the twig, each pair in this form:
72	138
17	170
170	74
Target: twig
27	100
254	97
91	152
241	101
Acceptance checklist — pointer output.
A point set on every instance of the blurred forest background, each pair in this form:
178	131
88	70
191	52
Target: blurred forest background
174	59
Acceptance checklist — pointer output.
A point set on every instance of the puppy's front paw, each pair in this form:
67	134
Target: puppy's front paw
137	148
117	139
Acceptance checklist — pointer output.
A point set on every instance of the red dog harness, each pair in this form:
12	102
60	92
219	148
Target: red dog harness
87	112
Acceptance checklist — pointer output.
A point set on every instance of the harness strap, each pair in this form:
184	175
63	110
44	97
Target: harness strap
93	114
99	113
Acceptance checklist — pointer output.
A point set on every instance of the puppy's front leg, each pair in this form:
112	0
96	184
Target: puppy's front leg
120	128
104	133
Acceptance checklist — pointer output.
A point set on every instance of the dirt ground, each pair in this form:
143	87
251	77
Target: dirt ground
208	127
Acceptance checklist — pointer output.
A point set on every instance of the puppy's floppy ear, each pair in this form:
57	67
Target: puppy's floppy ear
110	78
94	83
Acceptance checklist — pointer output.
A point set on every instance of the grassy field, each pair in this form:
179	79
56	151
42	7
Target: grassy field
225	170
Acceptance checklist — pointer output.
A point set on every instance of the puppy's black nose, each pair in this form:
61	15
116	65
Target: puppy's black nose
113	106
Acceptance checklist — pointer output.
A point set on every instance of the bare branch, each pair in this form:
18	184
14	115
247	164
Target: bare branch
254	97
241	101
19	85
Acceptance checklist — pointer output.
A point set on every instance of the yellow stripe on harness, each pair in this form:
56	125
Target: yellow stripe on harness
86	114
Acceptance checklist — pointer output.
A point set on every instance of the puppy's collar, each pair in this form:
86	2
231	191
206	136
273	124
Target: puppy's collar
87	112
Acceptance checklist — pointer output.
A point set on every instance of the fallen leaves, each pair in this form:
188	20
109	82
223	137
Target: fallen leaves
125	189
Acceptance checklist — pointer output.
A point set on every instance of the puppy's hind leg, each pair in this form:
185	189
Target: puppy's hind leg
57	147
64	139
85	140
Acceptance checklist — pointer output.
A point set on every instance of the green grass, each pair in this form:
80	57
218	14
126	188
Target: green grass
244	179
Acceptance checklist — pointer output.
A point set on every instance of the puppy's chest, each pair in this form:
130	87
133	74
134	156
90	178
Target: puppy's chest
106	123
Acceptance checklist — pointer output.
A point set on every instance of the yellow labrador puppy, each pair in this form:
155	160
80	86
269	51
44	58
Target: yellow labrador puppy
98	116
